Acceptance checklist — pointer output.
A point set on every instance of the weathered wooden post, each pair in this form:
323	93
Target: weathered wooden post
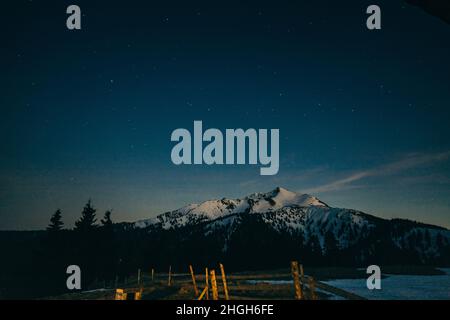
193	281
120	295
139	278
312	288
207	283
215	292
203	293
138	294
224	280
170	276
296	277
153	273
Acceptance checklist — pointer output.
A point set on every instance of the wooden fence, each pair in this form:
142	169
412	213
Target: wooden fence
215	286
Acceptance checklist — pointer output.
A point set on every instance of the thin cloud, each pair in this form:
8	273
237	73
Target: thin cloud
409	162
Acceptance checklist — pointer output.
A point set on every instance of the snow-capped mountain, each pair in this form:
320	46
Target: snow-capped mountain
213	209
289	218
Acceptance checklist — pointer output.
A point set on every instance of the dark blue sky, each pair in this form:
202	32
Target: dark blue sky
363	115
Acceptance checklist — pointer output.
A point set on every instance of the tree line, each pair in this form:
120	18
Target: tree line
90	244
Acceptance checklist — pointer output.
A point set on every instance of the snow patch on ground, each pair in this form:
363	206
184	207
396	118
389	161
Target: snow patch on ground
400	287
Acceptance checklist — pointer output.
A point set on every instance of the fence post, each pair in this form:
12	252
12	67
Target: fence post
224	280
139	278
302	274
138	294
207	283
170	276
153	273
202	294
312	288
193	280
297	284
215	292
120	295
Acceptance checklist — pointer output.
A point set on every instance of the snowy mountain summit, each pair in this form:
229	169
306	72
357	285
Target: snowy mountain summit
280	197
212	209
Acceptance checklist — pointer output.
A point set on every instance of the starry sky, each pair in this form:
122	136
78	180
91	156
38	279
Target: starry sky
364	116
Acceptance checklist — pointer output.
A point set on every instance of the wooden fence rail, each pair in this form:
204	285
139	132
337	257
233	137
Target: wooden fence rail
305	286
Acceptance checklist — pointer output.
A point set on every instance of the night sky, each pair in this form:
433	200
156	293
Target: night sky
364	116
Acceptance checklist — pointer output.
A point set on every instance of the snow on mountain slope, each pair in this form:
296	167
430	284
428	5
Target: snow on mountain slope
307	221
213	209
280	198
283	210
345	226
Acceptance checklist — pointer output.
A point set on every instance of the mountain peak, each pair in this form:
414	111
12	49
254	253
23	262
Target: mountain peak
281	197
255	203
281	190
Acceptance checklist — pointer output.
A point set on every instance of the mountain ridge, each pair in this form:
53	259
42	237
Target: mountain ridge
306	224
215	208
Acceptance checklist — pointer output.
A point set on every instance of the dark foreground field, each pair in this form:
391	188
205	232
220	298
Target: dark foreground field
273	284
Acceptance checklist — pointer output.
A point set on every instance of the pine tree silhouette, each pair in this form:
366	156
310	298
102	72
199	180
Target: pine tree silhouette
107	249
106	221
87	239
87	221
56	223
53	251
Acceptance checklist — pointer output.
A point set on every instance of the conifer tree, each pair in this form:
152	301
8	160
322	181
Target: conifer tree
53	253
106	221
56	223
107	246
87	221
